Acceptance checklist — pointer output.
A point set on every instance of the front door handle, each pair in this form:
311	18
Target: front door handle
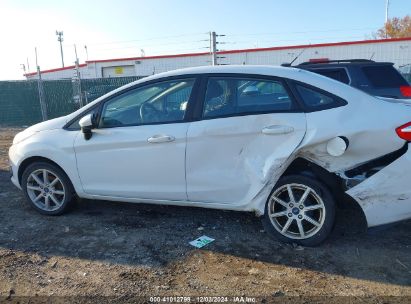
160	139
277	130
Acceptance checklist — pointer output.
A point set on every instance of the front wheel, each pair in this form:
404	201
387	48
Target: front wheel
47	188
300	210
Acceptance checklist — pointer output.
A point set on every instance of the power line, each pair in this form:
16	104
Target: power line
311	40
151	45
148	39
302	32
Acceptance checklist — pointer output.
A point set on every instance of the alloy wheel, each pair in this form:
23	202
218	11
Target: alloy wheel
45	190
296	211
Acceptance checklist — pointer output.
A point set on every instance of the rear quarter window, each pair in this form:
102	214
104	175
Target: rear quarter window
315	99
384	76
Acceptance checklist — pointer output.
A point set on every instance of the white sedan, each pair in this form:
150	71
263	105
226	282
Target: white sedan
287	144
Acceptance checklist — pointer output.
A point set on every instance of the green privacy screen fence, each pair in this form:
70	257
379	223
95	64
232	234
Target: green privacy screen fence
20	101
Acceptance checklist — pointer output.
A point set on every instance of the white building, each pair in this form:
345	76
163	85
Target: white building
396	50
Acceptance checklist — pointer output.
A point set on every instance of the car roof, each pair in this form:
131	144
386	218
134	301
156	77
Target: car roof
305	76
264	70
268	70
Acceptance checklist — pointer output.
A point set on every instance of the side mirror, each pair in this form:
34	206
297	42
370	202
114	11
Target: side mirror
86	125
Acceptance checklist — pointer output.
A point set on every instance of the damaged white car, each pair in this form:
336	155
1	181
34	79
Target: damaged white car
285	143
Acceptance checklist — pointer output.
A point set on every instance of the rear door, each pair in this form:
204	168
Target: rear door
249	126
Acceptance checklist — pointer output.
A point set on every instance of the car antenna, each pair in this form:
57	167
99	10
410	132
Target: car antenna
372	56
296	57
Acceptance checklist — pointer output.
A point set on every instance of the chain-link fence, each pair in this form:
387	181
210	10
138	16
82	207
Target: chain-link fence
20	100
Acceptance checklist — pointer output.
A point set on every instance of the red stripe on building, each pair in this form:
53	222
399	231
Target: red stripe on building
57	69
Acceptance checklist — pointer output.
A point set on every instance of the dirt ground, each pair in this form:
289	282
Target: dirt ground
123	250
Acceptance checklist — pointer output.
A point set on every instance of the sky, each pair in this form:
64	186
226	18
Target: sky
127	28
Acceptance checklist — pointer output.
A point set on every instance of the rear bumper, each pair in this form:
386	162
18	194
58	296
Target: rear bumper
385	197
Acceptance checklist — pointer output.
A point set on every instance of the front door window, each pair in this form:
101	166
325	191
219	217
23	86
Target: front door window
163	102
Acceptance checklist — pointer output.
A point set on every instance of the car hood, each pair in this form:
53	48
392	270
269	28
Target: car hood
56	123
52	124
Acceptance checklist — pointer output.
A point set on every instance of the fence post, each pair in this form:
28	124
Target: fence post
76	80
43	105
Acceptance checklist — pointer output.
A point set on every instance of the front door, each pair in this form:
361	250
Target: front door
138	148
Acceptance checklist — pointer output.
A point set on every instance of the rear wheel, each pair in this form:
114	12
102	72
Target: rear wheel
47	188
300	210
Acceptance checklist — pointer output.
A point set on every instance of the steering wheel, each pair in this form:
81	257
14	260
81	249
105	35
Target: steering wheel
149	113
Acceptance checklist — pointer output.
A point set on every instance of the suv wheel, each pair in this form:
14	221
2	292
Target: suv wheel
300	210
47	188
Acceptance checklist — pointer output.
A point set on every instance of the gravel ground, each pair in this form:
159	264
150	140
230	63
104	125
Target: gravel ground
119	251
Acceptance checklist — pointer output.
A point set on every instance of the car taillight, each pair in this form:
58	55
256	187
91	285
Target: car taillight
405	91
404	131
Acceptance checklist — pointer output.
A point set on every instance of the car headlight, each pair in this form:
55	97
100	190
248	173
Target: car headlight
23	136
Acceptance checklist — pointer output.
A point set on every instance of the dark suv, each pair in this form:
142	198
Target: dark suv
375	78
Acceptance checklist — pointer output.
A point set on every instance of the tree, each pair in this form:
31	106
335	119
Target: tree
395	28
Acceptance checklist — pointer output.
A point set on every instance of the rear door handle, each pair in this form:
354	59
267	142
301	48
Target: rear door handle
160	139
277	130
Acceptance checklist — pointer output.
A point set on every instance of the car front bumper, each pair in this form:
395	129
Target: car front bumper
385	197
14	165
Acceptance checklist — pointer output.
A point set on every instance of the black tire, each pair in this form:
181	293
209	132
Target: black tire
67	187
325	213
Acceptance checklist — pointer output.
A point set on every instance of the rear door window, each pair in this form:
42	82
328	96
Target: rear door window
242	96
384	76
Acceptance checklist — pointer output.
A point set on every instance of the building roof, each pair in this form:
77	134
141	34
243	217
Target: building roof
277	48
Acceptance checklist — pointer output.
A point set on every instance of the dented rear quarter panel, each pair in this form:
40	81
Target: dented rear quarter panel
385	197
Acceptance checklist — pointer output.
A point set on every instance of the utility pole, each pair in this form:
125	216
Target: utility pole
387	4
28	65
85	47
213	48
60	39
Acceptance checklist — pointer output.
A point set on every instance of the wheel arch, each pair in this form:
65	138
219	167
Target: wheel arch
306	167
33	159
333	182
